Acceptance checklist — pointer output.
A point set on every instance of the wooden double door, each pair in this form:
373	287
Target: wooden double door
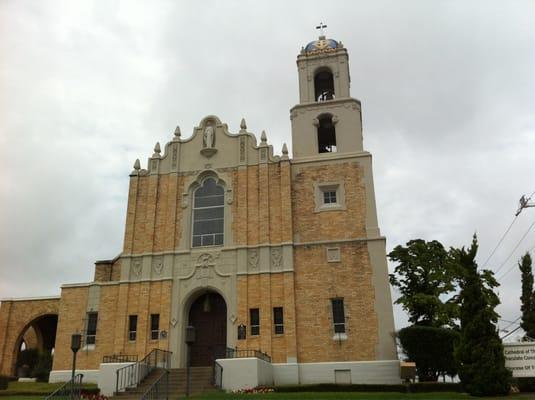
208	314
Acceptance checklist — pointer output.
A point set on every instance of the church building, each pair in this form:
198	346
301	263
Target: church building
256	250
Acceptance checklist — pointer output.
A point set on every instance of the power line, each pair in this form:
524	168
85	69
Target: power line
516	247
501	240
510	333
512	266
511	322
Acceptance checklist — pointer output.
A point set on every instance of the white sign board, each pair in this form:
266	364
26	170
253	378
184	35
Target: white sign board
520	359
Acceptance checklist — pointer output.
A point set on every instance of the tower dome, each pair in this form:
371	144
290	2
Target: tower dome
321	44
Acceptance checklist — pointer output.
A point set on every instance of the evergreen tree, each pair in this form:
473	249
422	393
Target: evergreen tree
528	296
480	351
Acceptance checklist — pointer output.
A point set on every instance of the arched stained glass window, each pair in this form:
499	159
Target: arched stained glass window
208	214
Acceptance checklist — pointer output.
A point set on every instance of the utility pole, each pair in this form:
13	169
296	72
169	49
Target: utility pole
524	203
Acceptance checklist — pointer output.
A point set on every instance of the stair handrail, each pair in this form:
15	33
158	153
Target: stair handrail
243	353
131	375
71	389
155	390
218	375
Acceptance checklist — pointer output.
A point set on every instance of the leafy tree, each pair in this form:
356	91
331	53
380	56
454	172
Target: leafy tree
423	274
528	296
480	350
432	349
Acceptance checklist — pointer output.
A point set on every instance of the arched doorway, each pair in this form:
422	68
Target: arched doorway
208	314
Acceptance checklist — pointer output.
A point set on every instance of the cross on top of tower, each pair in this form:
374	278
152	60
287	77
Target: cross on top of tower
321	26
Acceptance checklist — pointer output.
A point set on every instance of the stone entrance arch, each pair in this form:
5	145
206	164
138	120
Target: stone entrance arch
32	321
208	314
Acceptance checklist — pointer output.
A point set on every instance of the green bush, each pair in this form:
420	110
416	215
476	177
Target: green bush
432	349
43	367
28	357
3	382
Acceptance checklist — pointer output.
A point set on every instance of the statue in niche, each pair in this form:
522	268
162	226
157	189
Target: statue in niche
209	137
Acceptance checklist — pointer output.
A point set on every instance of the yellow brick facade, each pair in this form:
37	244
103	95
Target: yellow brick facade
277	233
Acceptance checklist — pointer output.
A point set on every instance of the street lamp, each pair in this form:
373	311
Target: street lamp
76	343
190	339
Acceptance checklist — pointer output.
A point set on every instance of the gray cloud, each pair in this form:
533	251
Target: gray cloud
447	89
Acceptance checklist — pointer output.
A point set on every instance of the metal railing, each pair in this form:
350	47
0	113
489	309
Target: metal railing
159	389
119	358
235	353
69	390
218	375
131	375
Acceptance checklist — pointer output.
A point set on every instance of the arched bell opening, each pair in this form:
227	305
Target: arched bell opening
326	134
323	85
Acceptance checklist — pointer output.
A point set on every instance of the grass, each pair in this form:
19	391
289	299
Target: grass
353	396
31	390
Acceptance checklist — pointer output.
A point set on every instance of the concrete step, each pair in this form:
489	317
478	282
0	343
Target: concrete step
201	382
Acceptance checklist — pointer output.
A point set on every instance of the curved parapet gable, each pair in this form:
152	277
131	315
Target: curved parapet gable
211	146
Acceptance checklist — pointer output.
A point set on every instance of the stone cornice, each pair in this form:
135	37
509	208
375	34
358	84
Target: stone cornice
40	298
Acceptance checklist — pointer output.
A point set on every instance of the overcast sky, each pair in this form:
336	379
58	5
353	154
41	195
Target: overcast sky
447	91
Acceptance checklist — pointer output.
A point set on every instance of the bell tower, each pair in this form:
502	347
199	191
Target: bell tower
327	121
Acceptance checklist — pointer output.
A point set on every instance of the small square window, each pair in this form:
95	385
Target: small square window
329	197
254	320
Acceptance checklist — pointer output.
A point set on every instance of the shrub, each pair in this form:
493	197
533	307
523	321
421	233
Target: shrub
43	367
28	357
432	349
3	382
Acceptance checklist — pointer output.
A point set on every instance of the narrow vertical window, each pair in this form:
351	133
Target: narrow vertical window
132	327
254	317
339	319
278	320
208	214
154	326
91	328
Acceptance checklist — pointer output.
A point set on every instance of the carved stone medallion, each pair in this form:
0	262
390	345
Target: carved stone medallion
253	260
157	265
137	266
276	258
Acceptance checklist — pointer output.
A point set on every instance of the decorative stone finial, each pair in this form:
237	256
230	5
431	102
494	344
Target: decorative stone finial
284	152
243	125
263	137
177	131
137	165
157	150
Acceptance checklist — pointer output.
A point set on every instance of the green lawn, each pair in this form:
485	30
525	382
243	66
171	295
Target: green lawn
354	396
31	390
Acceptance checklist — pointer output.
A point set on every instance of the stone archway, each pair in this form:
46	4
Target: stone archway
208	314
33	321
